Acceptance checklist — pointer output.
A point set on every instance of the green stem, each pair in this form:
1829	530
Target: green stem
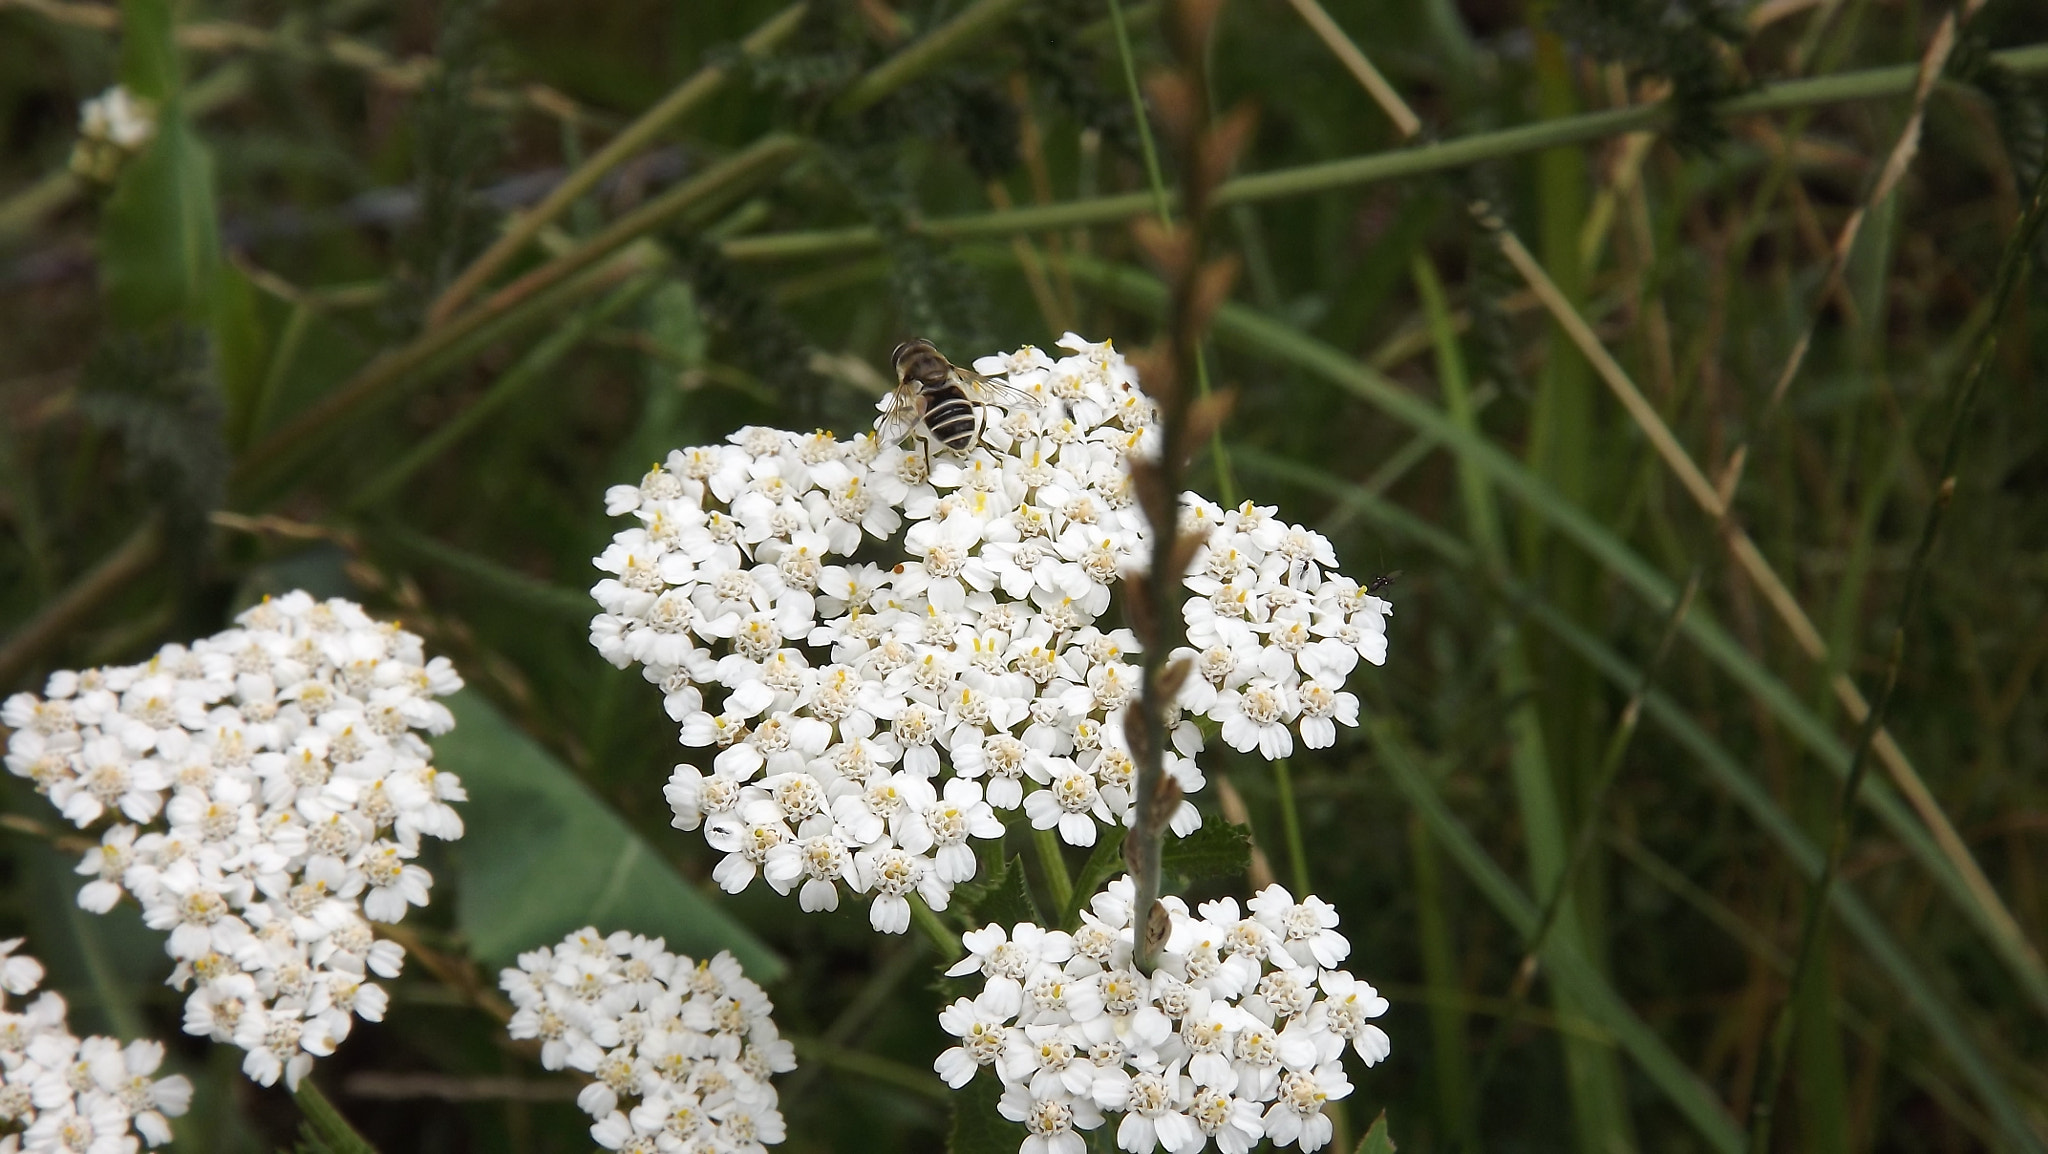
1373	167
536	362
567	605
714	186
326	1123
947	942
873	1066
1290	820
1059	884
651	123
974	22
1161	200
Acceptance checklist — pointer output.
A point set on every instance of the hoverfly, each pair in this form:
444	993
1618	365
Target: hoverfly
941	396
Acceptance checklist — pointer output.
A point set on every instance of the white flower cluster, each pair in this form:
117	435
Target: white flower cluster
1236	1035
275	786
679	1051
67	1096
112	127
866	717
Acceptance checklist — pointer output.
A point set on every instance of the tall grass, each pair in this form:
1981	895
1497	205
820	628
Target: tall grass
1699	805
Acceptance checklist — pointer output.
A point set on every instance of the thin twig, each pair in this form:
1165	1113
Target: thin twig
1360	66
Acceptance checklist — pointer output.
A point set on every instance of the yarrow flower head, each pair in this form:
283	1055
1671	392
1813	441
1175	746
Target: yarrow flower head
679	1052
112	127
878	649
58	1093
1236	1035
268	788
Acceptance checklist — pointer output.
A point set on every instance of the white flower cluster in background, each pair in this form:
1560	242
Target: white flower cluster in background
58	1093
269	787
679	1051
112	127
879	647
1237	1035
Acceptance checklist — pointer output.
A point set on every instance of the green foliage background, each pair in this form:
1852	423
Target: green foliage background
223	376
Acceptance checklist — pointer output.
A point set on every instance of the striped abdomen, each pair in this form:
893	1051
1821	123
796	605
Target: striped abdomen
949	415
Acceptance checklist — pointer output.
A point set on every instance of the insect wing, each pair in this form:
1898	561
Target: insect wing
989	391
903	412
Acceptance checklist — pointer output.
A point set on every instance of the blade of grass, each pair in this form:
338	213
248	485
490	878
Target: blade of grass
1589	829
967	26
1842	823
1729	773
1374	167
1569	969
680	102
1934	1082
1247	330
1589	1066
1447	1020
537	361
1711	499
1290	820
716	185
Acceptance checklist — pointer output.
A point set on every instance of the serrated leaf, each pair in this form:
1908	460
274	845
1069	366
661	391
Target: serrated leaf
543	856
1007	898
156	390
1218	849
978	1127
1376	1140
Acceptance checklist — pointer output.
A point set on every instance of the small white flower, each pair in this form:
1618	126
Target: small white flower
278	781
61	1093
1230	1040
981	655
680	1051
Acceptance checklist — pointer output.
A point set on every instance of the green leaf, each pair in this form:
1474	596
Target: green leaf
159	242
241	349
1376	1140
978	1128
149	52
543	856
1218	849
1568	968
1007	898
